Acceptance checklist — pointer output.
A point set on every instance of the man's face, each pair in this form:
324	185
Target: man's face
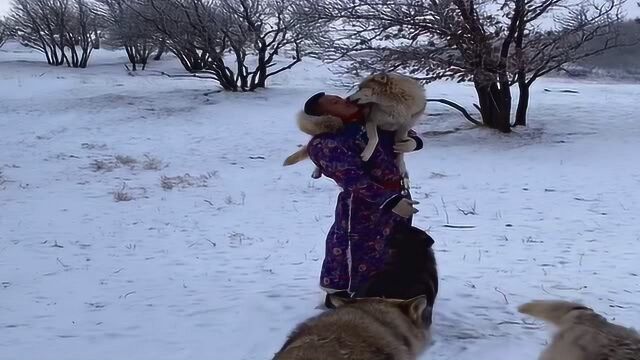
337	106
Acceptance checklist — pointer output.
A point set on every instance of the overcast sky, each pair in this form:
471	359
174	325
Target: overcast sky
4	7
632	9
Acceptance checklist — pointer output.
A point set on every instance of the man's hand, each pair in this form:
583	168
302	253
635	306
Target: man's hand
405	208
405	146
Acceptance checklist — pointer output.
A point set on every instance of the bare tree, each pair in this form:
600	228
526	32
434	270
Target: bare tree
487	42
57	28
208	36
80	33
4	32
581	31
40	24
125	29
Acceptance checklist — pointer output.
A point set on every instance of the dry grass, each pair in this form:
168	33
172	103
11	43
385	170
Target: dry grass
152	163
126	160
105	165
126	193
186	181
122	194
111	163
3	179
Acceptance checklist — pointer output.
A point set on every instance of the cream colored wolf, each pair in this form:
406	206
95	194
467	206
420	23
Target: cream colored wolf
397	102
582	333
362	329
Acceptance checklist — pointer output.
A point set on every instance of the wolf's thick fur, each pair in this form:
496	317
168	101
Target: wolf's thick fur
361	329
409	271
582	333
397	102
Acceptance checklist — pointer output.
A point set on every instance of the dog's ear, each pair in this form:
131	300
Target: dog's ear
338	301
430	241
421	234
417	309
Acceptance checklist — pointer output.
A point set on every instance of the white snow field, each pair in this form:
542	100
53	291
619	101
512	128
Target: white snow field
222	263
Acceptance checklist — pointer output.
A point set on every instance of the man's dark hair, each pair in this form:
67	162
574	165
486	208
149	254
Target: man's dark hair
311	106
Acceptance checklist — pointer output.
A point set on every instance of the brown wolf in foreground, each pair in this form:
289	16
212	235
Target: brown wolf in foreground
582	333
361	329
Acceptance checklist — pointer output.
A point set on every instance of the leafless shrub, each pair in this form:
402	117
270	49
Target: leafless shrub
124	28
57	28
203	33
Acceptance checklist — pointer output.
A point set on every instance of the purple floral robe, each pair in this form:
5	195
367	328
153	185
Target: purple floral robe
356	243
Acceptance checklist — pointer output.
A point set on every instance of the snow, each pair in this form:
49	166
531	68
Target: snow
226	267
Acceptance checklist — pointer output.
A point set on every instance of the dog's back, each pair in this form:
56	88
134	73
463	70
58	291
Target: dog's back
362	329
410	270
582	333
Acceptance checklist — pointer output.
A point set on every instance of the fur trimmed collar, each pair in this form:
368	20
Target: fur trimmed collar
316	125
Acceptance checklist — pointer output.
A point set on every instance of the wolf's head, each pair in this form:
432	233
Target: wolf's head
416	311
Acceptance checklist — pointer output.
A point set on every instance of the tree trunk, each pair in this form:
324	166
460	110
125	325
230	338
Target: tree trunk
523	101
96	41
161	49
494	106
132	57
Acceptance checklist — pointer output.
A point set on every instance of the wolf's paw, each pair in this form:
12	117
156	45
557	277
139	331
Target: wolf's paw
366	154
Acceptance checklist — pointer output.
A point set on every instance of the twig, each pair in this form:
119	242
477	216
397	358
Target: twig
186	75
464	111
545	290
212	92
503	294
451	226
444	206
61	263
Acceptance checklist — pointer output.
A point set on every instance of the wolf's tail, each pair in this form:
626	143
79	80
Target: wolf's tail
552	311
296	157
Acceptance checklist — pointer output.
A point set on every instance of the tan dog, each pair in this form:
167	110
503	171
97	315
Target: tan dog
583	334
362	329
397	102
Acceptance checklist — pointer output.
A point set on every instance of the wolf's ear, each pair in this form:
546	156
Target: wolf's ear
383	78
338	301
417	308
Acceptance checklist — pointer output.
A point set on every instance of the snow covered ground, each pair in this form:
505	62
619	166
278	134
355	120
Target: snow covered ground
224	264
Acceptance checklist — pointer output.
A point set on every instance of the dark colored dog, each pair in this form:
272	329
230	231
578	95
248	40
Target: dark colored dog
410	270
